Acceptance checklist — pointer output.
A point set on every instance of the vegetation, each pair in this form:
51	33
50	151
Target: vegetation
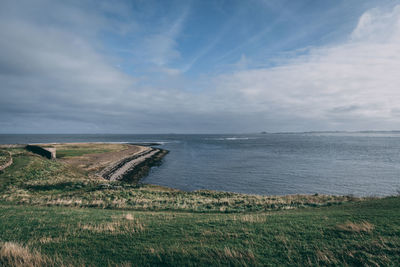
361	233
74	150
4	157
53	214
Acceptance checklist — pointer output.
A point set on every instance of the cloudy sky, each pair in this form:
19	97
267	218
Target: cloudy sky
199	66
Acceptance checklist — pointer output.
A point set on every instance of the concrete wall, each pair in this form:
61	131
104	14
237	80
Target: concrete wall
47	152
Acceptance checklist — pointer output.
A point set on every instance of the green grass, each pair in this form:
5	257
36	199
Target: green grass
62	153
51	213
299	237
76	150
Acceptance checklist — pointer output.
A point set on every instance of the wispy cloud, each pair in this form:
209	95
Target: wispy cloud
162	46
361	72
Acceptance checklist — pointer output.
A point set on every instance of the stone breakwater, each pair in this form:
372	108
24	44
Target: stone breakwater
133	167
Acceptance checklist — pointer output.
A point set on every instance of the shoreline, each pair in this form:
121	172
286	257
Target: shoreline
140	168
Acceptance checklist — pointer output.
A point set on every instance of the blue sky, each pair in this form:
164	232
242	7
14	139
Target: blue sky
198	66
197	37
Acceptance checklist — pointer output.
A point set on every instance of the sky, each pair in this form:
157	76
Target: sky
94	66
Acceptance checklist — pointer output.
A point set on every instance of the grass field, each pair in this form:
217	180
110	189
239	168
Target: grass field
74	150
53	214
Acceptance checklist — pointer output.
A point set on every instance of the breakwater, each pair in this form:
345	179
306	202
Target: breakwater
133	167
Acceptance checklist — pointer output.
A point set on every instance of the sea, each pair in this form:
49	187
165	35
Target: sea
359	164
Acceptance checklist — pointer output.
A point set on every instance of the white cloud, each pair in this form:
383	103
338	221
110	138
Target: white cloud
354	85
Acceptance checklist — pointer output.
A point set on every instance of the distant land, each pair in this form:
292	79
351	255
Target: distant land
312	132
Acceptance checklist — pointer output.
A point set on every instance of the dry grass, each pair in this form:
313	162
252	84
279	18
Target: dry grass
129	217
89	146
146	198
251	218
326	257
14	254
46	240
124	264
116	227
228	255
363	226
244	258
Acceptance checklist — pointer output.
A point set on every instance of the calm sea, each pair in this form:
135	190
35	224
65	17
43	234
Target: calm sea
362	164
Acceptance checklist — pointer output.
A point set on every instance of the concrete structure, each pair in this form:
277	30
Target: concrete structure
48	152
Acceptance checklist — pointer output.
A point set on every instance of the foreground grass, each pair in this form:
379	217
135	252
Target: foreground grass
363	233
52	214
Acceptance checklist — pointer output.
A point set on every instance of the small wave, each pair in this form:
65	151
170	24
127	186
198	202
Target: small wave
237	138
154	143
230	138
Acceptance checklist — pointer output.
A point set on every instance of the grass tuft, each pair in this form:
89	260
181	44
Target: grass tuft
364	226
115	227
129	217
16	255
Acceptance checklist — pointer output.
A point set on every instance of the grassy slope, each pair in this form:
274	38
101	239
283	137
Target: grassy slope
174	229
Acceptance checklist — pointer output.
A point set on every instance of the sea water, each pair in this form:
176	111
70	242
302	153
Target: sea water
361	164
